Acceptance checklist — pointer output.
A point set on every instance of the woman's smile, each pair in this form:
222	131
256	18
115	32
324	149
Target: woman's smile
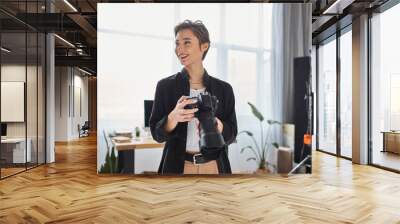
183	57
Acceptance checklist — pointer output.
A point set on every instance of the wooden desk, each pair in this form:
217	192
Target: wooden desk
126	152
391	141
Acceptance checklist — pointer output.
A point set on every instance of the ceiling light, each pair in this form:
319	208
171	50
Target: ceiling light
5	50
329	9
70	5
337	7
64	40
79	51
84	71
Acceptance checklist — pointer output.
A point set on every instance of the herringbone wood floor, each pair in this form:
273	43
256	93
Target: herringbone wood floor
70	191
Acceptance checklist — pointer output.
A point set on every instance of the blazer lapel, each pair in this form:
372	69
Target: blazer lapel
186	85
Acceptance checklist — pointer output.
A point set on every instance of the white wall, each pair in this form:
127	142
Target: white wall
34	125
12	73
71	93
61	103
80	102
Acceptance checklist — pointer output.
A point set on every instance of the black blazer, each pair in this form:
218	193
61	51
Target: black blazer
168	91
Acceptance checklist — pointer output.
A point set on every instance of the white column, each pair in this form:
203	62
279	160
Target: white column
50	99
360	90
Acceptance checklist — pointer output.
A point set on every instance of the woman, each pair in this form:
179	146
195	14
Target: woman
171	123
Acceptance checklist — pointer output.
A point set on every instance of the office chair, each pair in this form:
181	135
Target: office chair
84	130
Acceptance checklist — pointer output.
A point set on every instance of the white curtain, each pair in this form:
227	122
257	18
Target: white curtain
291	27
291	37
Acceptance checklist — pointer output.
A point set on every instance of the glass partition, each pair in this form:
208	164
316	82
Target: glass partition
23	91
14	153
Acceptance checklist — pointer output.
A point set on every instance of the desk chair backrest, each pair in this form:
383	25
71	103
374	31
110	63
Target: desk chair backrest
106	139
85	126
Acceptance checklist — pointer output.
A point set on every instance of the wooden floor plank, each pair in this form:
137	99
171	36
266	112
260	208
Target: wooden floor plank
70	191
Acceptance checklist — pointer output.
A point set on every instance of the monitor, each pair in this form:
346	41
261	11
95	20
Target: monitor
148	106
3	129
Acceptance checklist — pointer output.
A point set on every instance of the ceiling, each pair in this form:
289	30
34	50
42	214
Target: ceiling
76	22
332	15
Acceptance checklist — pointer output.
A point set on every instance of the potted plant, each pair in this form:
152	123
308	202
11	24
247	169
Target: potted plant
137	132
261	148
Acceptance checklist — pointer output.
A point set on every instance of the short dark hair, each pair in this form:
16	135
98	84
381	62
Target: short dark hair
198	29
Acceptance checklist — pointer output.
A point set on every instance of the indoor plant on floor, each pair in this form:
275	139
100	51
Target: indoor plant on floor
111	161
260	149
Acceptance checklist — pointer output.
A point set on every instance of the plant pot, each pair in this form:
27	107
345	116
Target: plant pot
262	171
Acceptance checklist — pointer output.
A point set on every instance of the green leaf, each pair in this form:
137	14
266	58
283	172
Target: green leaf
252	150
246	132
276	145
251	158
270	122
107	164
247	147
256	112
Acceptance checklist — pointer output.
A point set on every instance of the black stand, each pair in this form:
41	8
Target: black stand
306	161
126	161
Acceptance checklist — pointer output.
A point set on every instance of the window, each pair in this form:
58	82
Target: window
211	19
237	25
394	102
385	84
327	97
346	94
240	63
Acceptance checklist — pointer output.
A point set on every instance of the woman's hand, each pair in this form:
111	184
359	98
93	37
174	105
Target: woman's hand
220	125
179	114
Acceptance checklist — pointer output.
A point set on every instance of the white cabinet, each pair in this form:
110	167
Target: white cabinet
18	149
19	152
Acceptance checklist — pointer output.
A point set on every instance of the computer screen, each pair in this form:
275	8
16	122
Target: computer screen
148	106
3	129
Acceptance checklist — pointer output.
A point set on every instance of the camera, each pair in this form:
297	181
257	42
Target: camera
211	141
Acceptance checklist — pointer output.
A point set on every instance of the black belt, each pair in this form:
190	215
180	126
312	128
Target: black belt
195	158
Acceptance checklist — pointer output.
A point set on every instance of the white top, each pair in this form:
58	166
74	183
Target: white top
192	140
